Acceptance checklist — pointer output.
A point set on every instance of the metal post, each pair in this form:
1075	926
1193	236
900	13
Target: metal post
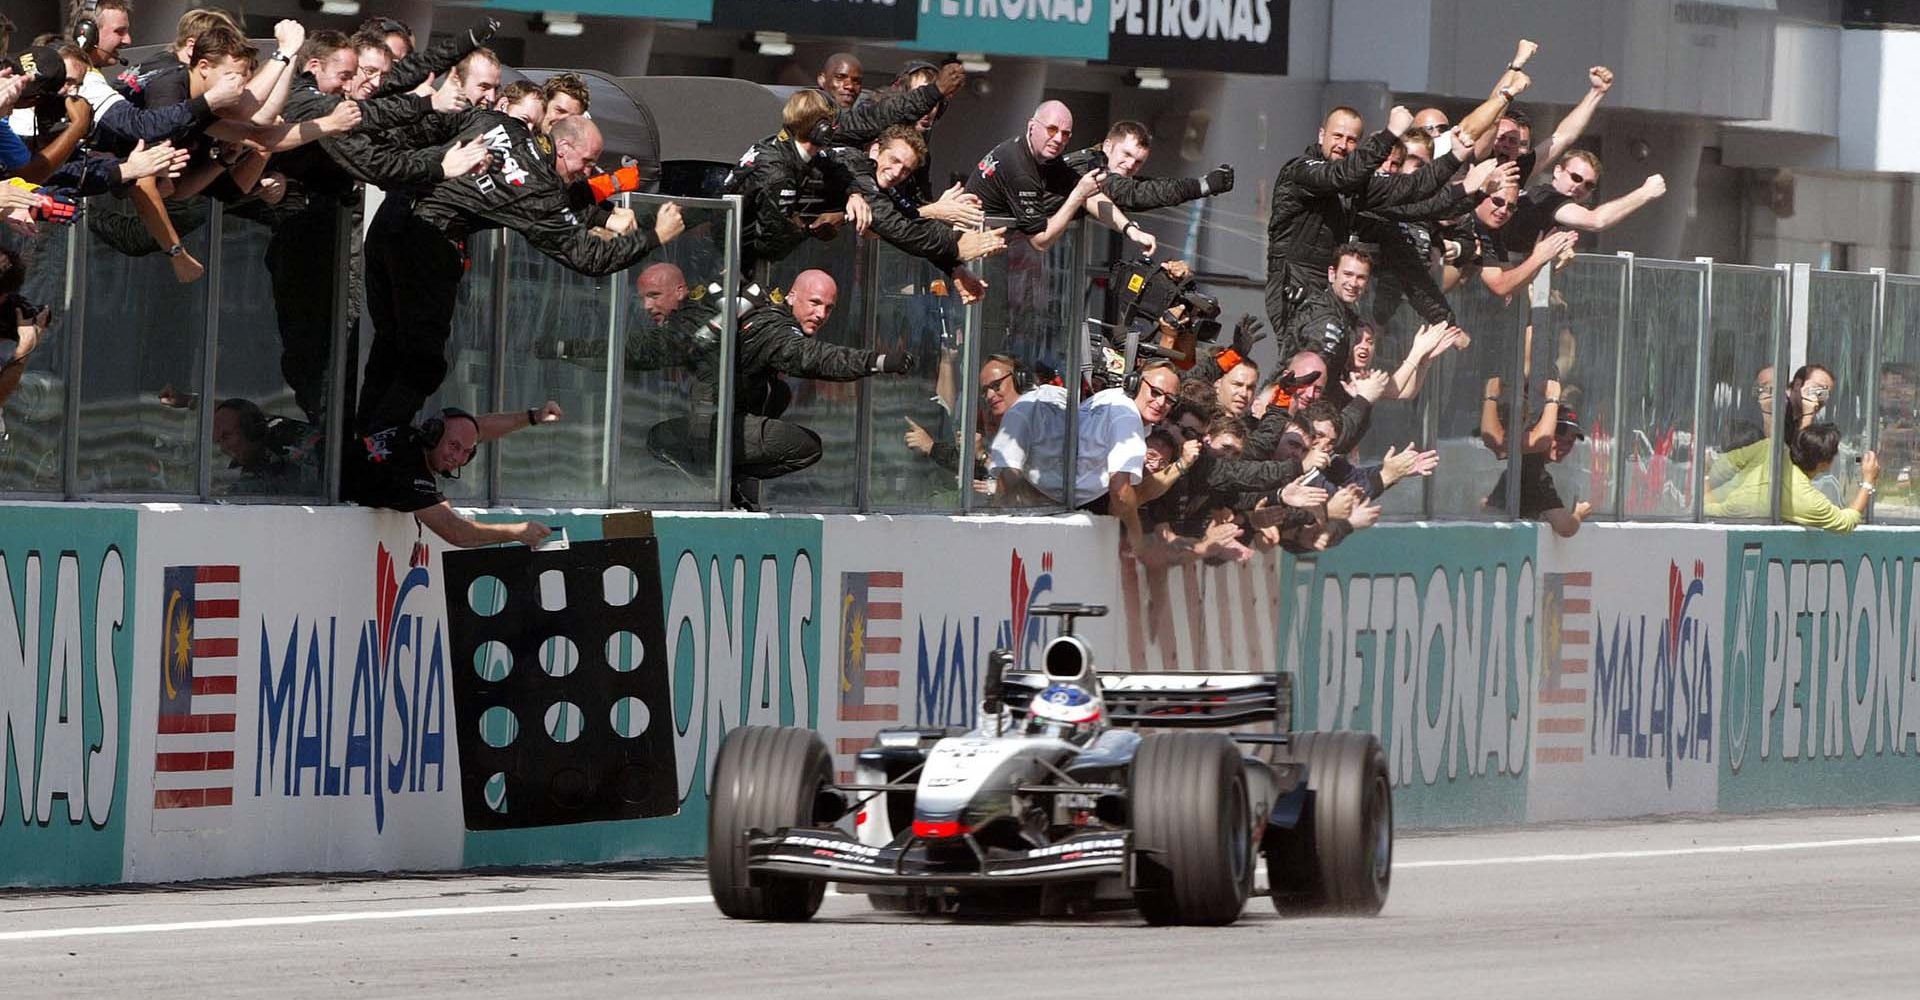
723	408
337	401
1076	360
863	389
1791	339
498	390
210	355
75	336
1619	476
968	404
616	373
1878	329
1703	335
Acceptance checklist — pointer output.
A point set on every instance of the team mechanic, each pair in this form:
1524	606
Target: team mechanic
415	252
1321	200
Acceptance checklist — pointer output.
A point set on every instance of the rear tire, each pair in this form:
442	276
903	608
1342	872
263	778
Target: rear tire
1192	832
766	778
1339	859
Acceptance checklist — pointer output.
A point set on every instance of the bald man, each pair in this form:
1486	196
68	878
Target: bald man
840	79
775	339
415	252
1025	178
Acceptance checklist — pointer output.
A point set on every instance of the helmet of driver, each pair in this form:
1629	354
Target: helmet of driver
1063	711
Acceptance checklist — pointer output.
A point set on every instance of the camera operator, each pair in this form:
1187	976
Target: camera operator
398	468
1123	152
1027	454
1025	178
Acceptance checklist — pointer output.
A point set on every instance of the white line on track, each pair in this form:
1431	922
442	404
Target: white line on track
1673	852
614	904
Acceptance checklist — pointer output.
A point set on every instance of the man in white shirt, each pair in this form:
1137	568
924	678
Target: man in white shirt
1029	452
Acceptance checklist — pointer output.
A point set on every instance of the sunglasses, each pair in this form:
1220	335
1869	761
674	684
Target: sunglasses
1192	433
1435	129
1578	181
994	386
1053	131
1817	393
1500	202
1155	393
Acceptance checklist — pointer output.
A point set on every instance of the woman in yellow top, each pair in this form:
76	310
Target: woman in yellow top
1738	479
1813	453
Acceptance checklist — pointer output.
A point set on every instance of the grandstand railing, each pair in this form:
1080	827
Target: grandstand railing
1657	357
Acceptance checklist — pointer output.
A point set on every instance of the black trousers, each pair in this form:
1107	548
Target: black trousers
764	446
413	279
300	258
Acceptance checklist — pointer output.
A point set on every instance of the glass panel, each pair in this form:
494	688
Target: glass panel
140	382
270	412
667	393
1899	404
469	383
1031	311
1739	423
1840	336
1397	422
1657	389
1459	382
33	378
1584	354
829	410
914	463
550	304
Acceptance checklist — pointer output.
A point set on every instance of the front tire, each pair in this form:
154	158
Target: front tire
766	778
1192	831
1339	859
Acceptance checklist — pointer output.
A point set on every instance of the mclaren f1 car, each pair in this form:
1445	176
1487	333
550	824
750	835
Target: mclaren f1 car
1075	792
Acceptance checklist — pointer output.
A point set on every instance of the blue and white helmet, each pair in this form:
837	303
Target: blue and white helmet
1067	711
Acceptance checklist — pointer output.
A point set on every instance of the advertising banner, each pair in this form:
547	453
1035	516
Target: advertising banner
1425	637
66	669
896	19
1231	36
1822	670
1063	29
1625	710
1199	617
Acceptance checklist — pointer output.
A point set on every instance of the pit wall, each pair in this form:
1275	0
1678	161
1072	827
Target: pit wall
301	718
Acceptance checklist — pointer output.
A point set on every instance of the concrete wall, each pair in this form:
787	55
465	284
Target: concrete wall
192	692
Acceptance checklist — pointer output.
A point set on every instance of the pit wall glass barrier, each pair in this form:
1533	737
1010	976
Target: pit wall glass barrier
230	386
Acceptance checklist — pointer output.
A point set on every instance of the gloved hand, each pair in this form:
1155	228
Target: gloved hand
606	185
484	33
1246	333
895	364
54	206
1219	180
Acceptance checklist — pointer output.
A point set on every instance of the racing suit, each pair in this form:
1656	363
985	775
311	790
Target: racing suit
1137	194
1318	204
415	258
1325	325
770	343
771	177
1011	182
861	124
896	217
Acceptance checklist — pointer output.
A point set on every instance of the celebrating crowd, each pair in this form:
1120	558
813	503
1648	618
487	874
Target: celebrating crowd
1182	437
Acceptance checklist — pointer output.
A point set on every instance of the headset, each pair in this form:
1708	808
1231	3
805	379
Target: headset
432	429
1131	382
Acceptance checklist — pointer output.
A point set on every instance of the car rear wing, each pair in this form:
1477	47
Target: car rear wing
1180	701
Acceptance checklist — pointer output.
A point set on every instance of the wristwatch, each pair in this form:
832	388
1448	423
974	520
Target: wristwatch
279	56
176	250
533	416
1869	487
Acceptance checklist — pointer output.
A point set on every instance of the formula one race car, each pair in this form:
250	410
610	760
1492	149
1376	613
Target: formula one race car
1057	804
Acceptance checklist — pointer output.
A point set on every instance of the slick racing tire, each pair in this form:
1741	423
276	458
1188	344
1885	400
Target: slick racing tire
1339	858
1192	832
766	778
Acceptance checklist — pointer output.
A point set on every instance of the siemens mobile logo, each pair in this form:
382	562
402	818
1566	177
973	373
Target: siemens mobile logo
1109	843
843	846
